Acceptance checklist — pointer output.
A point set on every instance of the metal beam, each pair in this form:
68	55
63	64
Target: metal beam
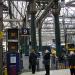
71	17
5	12
15	19
28	0
47	33
12	20
46	11
10	12
5	8
69	23
70	3
18	0
17	9
68	30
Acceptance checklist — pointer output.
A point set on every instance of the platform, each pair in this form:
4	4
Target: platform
52	72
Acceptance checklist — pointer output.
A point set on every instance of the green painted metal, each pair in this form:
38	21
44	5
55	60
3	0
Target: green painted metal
26	46
33	31
57	34
40	41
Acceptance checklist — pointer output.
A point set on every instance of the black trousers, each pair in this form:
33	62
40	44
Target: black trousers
47	68
33	69
72	70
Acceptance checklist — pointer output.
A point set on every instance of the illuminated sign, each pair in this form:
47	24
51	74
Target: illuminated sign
12	34
12	46
25	31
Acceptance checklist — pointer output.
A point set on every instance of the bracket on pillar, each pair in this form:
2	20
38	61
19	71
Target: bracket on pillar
39	25
56	7
33	6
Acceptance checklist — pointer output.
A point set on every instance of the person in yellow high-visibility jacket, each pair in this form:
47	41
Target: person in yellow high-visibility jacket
5	70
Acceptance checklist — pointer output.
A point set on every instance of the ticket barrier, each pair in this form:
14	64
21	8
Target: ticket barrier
13	63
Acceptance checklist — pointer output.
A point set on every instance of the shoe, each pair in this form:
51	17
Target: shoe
33	73
46	74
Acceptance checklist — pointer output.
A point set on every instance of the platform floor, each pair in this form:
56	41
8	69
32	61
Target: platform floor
52	72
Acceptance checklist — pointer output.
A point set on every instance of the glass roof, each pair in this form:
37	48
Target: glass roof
19	12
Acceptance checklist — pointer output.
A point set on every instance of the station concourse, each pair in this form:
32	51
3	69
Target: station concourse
59	72
38	25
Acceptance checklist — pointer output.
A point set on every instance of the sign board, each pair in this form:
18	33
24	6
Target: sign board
25	31
12	34
13	59
12	46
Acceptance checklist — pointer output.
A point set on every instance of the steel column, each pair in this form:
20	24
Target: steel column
39	34
56	11
33	31
33	28
57	35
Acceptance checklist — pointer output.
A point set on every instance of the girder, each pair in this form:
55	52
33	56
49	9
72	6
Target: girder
30	0
17	0
46	11
5	8
70	3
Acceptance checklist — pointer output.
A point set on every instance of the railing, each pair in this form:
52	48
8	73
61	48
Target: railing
57	63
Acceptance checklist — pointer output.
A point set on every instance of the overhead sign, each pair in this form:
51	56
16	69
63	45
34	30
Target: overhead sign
25	31
12	34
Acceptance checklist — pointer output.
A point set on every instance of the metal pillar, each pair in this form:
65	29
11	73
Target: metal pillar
55	12
1	28
33	28
33	31
39	33
26	45
57	35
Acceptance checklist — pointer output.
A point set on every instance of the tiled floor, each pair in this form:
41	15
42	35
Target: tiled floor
52	72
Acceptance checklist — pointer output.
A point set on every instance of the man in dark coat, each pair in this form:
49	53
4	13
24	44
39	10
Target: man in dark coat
33	61
46	61
71	59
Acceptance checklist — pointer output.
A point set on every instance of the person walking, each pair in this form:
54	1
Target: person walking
33	61
71	59
46	61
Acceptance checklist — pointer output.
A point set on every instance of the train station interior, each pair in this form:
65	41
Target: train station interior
37	25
